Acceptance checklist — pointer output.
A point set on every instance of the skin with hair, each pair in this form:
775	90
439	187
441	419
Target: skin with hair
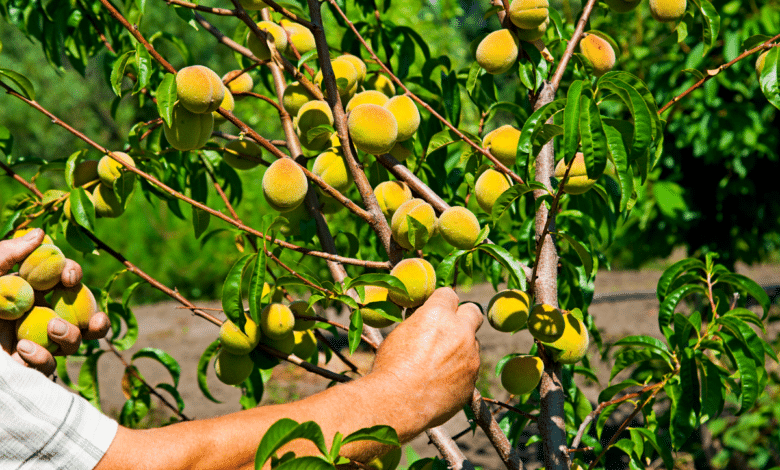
420	211
294	97
85	172
534	33
232	369
373	129
106	203
300	37
332	168
577	181
188	130
237	341
409	368
259	46
391	195
381	83
502	143
313	114
238	81
356	62
459	227
529	14
75	304
277	321
571	347
16	297
109	170
368	96
64	334
406	115
42	269
667	11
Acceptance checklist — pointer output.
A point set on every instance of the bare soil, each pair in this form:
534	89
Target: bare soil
624	304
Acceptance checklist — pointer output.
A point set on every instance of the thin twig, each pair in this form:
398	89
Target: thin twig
511	408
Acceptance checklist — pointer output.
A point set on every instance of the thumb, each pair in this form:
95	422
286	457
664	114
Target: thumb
16	250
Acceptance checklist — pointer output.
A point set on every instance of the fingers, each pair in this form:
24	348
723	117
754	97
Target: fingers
471	313
443	299
32	355
16	250
98	326
71	275
65	334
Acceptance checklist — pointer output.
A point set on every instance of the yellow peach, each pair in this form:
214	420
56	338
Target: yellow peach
284	185
459	227
331	166
24	231
199	89
578	181
381	83
75	305
368	96
16	297
34	325
109	170
42	268
238	81
546	323
667	10
373	129
300	37
502	143
391	194
295	96
571	347
277	321
313	114
599	53
106	203
497	52
236	341
528	14
259	46
508	310
419	278
490	185
370	316
406	115
419	210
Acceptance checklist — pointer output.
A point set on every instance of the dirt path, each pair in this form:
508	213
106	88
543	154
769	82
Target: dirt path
624	304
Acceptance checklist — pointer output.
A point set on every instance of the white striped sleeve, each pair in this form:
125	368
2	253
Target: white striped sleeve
44	426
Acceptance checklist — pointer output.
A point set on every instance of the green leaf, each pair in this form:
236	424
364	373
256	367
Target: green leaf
511	195
516	273
745	334
382	434
613	390
355	330
669	303
629	357
200	221
166	96
616	143
711	22
82	209
645	341
163	358
115	312
378	279
662	449
451	96
23	85
594	142
232	300
713	390
418	233
203	365
174	393
443	139
750	286
144	65
118	72
256	284
7	142
746	316
571	121
748	377
88	380
644	121
308	462
582	252
446	269
683	411
673	272
769	77
535	121
286	430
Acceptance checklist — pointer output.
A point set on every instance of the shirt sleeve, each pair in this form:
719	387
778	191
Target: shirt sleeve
44	426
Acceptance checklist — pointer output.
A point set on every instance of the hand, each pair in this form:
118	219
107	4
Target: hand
61	332
434	356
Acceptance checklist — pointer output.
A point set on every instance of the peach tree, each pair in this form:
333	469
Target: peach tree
388	169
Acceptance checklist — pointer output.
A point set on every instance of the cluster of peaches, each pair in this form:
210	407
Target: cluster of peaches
34	295
99	178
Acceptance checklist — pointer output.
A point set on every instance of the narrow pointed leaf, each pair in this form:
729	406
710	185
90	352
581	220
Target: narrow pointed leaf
232	301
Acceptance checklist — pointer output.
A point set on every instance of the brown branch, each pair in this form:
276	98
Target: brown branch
133	29
511	408
575	39
484	418
195	6
303	364
151	389
499	166
712	73
298	276
336	351
30	187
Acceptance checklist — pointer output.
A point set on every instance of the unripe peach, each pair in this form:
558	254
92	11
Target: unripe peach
300	37
232	369
571	347
546	323
295	96
622	6
381	83
346	78
313	114
419	210
24	231
236	152
529	14
373	129
199	89
259	46
238	81
459	227
284	185
599	53
228	104
358	63
389	461
391	194
236	341
188	130
109	170
277	321
533	34
332	168
253	5
522	374
106	203
270	294
419	278
490	185
760	63
368	96
85	172
67	213
305	344
285	344
667	10
16	297
370	316
75	305
43	267
34	327
406	115
502	143
578	181
508	310
497	52
301	307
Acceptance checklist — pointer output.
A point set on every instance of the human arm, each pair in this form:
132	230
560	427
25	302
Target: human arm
61	332
423	374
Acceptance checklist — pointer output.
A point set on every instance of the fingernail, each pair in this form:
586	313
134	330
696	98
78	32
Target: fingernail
31	234
59	328
25	346
71	276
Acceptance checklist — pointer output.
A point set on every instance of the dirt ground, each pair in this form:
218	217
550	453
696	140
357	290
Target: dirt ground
624	304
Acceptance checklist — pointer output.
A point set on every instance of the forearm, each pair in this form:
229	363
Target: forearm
231	441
